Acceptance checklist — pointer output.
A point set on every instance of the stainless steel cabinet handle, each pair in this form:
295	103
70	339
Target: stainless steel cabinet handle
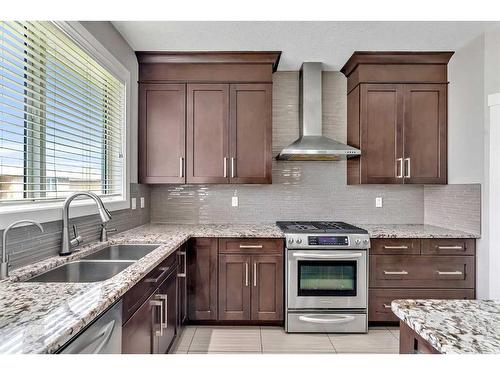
246	274
233	174
386	306
163	270
396	247
399	168
407	167
156	303
225	167
181	167
255	274
395	273
450	272
183	274
450	247
164	313
250	246
312	319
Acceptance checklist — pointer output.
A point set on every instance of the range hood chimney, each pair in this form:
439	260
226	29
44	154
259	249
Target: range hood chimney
312	145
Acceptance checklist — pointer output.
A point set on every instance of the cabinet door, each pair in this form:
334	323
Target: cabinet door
381	117
162	133
139	334
425	133
167	293
250	134
234	287
207	133
267	287
202	279
182	286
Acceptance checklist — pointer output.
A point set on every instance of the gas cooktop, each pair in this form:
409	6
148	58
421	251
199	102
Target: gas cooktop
338	227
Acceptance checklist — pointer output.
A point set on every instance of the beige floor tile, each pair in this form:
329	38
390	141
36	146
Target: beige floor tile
226	339
182	344
376	341
275	340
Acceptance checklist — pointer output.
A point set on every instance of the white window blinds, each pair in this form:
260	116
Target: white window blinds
61	117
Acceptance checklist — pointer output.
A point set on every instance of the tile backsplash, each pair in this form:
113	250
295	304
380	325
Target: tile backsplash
27	245
300	190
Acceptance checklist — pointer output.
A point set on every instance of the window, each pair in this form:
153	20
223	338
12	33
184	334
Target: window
62	117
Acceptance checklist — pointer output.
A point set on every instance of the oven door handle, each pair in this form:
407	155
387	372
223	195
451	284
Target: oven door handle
327	256
311	319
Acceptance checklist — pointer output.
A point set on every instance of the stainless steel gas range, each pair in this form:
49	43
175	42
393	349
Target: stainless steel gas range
326	277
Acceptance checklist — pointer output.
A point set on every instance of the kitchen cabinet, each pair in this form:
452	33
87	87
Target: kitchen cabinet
251	280
397	116
412	268
206	117
162	128
202	281
150	311
182	277
207	133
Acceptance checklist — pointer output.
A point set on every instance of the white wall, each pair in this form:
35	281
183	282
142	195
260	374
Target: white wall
112	40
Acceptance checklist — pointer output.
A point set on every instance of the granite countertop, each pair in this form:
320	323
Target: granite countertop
414	231
41	317
454	326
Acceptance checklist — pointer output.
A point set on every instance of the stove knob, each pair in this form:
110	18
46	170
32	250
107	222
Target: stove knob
299	240
366	242
290	241
357	242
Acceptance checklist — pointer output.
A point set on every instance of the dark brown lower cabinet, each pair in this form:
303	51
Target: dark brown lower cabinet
250	287
202	280
167	293
182	287
138	331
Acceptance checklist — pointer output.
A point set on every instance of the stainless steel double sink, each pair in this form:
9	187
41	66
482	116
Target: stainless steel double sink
98	266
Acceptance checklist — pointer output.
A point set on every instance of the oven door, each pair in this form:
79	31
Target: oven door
325	279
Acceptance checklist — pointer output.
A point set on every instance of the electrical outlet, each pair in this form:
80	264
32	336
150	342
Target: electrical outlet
133	203
142	202
234	201
378	202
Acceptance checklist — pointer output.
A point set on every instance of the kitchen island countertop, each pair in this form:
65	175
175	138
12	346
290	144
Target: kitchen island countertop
453	326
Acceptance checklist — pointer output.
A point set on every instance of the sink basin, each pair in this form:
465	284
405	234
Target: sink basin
81	272
122	252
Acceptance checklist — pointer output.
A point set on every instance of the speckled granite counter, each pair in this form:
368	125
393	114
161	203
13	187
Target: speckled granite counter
454	326
413	231
41	317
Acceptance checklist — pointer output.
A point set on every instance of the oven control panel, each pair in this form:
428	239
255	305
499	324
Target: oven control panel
328	240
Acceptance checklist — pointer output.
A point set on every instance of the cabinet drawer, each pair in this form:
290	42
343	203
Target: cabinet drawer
379	305
419	271
251	245
135	297
390	246
448	246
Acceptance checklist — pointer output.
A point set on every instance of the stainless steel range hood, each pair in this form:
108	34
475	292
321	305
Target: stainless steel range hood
312	145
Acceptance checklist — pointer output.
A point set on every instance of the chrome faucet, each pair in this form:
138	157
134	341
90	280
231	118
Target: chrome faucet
4	266
67	242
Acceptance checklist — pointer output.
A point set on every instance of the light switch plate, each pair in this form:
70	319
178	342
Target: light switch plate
133	203
378	202
234	201
142	202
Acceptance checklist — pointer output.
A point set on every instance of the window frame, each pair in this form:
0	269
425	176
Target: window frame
46	211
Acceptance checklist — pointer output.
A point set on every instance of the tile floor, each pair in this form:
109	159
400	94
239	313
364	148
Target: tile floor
254	340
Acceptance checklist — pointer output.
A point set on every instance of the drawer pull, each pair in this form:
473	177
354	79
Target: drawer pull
386	306
396	247
251	246
163	270
450	247
450	272
313	319
395	272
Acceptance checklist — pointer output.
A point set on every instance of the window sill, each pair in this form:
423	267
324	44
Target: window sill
46	212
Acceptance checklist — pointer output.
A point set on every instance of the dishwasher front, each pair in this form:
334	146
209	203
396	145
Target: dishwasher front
103	336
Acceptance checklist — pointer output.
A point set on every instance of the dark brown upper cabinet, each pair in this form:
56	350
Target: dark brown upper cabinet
397	116
162	127
206	117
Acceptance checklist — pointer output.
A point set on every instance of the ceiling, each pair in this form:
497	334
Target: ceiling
329	42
